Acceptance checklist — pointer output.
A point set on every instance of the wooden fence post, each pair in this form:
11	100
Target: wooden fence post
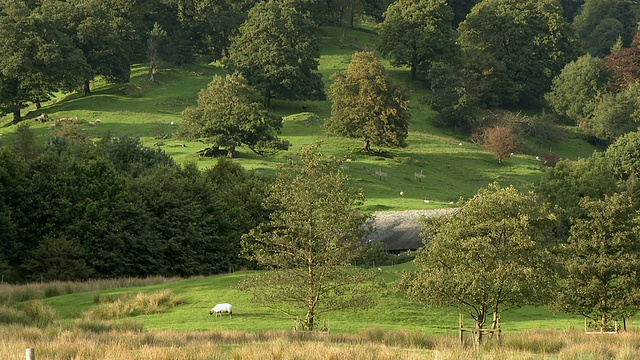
30	354
460	331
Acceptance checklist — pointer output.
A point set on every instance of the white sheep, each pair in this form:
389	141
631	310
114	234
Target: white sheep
219	309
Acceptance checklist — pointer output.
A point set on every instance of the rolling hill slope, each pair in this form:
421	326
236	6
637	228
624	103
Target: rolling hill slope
452	166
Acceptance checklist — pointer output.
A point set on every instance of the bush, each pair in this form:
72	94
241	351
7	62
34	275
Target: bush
11	315
40	313
142	304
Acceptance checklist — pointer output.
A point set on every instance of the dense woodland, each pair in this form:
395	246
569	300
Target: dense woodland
74	209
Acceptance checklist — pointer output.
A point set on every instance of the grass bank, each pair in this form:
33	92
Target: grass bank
452	166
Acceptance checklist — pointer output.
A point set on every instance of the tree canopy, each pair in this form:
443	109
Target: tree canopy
599	23
73	210
491	253
576	90
38	59
602	260
313	233
531	38
277	51
416	33
367	104
227	116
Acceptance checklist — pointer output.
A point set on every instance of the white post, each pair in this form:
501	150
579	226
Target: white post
30	354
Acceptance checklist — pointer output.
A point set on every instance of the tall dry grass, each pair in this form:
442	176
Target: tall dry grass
140	304
101	339
11	294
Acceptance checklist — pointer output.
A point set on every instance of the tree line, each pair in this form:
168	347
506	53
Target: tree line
571	244
60	45
74	210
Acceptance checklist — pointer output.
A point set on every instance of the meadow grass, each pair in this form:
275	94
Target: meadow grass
70	326
10	294
146	110
77	341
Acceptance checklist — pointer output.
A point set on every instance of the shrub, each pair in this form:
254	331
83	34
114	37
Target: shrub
501	140
11	315
39	312
141	304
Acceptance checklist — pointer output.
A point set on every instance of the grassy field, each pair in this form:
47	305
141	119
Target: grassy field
453	166
81	326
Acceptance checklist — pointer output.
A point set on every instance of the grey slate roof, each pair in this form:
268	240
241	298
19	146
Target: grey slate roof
400	230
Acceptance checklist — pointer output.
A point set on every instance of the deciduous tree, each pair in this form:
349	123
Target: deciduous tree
227	116
599	23
277	52
313	233
415	33
367	104
602	260
491	253
92	26
576	90
37	59
501	140
531	39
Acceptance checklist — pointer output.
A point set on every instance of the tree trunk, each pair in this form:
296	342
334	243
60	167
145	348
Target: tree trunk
38	105
86	90
367	145
309	320
16	116
482	315
151	78
267	99
230	151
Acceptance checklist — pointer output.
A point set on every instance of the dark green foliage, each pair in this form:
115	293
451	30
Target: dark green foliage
277	52
211	24
530	38
602	260
417	33
38	59
74	211
129	155
96	30
599	23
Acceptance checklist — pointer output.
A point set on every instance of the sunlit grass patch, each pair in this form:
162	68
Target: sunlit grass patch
141	304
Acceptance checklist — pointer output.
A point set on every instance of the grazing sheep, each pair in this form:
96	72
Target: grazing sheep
219	309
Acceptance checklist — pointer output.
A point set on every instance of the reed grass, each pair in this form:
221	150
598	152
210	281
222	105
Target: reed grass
141	304
129	341
11	294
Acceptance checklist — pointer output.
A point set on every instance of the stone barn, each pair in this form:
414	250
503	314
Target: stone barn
400	230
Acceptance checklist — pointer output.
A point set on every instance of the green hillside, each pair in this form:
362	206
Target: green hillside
453	167
392	312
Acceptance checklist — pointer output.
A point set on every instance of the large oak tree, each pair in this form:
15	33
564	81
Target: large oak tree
226	116
277	52
367	104
37	59
414	33
531	38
